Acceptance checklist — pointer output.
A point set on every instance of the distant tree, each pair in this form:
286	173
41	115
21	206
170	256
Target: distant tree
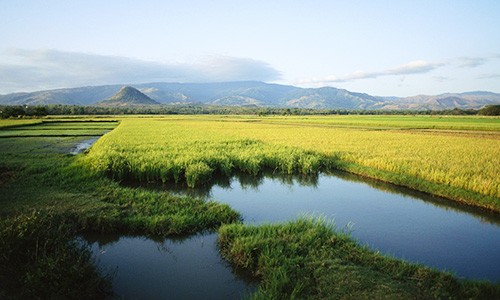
13	111
38	111
490	110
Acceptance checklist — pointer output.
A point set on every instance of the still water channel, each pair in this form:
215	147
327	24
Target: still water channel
396	221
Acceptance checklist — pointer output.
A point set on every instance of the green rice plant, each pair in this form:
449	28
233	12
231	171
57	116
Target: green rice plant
310	259
190	156
394	121
7	123
459	165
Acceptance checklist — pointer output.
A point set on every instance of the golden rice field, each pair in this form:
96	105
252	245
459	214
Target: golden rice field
462	164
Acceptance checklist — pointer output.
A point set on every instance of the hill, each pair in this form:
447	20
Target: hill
249	93
128	96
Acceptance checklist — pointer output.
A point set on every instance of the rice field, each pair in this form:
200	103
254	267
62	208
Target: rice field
459	162
54	128
6	123
40	178
406	122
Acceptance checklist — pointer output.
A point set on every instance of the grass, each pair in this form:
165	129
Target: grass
6	123
473	123
456	164
54	128
40	180
308	259
183	154
48	196
42	177
40	259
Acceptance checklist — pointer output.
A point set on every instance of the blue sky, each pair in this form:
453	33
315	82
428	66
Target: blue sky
385	48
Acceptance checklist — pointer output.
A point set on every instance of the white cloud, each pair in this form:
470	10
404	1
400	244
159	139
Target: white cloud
489	76
471	62
413	67
28	70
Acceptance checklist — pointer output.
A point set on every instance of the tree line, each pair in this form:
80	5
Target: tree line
19	111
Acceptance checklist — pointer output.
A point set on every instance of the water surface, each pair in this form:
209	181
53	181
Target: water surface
396	221
83	145
183	268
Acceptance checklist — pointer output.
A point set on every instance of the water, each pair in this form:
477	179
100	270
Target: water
397	221
83	145
186	268
400	222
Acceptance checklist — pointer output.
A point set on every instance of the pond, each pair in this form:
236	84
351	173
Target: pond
396	221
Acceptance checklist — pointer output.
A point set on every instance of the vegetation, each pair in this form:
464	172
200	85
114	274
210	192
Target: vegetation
308	259
185	154
490	110
395	122
47	197
41	259
6	123
9	111
461	165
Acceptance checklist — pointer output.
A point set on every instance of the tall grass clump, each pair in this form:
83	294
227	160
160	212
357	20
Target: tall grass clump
40	259
306	259
154	150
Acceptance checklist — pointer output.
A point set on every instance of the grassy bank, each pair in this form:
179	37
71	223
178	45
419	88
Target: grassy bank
40	259
307	259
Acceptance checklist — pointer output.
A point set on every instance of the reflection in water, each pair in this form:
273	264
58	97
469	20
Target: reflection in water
174	268
252	182
394	220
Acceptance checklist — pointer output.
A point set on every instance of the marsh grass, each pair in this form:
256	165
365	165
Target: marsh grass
40	259
310	259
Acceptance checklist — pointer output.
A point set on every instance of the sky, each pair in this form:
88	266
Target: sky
384	48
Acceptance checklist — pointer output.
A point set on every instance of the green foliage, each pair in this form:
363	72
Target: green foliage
303	259
447	160
47	197
490	110
194	109
20	111
307	259
40	259
180	154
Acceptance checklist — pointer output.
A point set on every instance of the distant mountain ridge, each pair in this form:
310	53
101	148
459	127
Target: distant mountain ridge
253	93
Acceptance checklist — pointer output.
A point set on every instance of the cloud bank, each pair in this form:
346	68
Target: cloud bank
29	70
413	67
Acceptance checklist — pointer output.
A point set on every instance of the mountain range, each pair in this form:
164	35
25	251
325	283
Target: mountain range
249	93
